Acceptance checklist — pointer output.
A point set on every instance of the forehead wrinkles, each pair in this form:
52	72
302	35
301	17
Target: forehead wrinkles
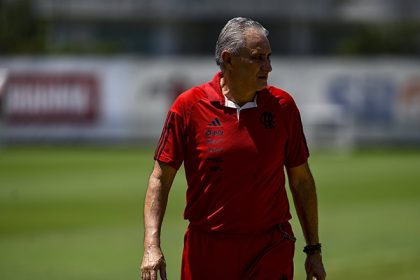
255	40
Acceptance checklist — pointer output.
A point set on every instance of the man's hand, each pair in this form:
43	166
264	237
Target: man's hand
314	267
153	260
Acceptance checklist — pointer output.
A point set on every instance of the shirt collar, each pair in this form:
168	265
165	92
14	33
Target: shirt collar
230	104
214	92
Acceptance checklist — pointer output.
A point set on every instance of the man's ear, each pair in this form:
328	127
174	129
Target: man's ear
227	58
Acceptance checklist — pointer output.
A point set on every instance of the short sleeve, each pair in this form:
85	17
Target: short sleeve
170	148
297	151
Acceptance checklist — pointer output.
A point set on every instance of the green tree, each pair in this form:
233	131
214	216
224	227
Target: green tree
20	30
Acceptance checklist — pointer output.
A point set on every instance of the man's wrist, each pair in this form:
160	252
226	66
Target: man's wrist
151	243
312	249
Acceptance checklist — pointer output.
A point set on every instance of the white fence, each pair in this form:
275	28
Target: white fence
343	102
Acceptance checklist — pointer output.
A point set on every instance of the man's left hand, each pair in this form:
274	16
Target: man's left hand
314	267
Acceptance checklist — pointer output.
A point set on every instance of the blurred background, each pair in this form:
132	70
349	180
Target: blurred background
85	87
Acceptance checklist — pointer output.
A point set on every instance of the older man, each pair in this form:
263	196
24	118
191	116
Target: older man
235	134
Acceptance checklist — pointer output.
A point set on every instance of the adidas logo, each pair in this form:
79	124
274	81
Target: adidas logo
215	122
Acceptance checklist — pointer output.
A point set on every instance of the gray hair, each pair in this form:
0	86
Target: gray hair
232	36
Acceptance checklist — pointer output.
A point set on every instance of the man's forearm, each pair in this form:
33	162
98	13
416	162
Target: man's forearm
155	204
154	210
305	199
303	190
304	194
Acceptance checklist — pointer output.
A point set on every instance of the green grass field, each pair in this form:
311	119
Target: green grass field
76	213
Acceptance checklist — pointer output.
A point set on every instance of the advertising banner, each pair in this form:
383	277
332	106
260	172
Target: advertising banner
343	102
51	98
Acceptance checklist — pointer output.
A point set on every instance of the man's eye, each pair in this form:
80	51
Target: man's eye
258	57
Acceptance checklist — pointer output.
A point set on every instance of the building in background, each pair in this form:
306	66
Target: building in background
176	27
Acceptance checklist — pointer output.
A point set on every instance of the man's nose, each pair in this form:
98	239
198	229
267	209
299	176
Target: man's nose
266	65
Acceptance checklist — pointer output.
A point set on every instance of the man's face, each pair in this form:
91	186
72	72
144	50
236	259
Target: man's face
251	66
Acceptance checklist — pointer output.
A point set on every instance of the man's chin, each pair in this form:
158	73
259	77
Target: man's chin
261	85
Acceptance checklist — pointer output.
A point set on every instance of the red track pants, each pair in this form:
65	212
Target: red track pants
216	256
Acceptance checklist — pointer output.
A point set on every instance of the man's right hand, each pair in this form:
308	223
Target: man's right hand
153	261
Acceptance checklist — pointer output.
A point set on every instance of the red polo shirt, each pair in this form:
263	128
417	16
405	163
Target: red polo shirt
234	158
